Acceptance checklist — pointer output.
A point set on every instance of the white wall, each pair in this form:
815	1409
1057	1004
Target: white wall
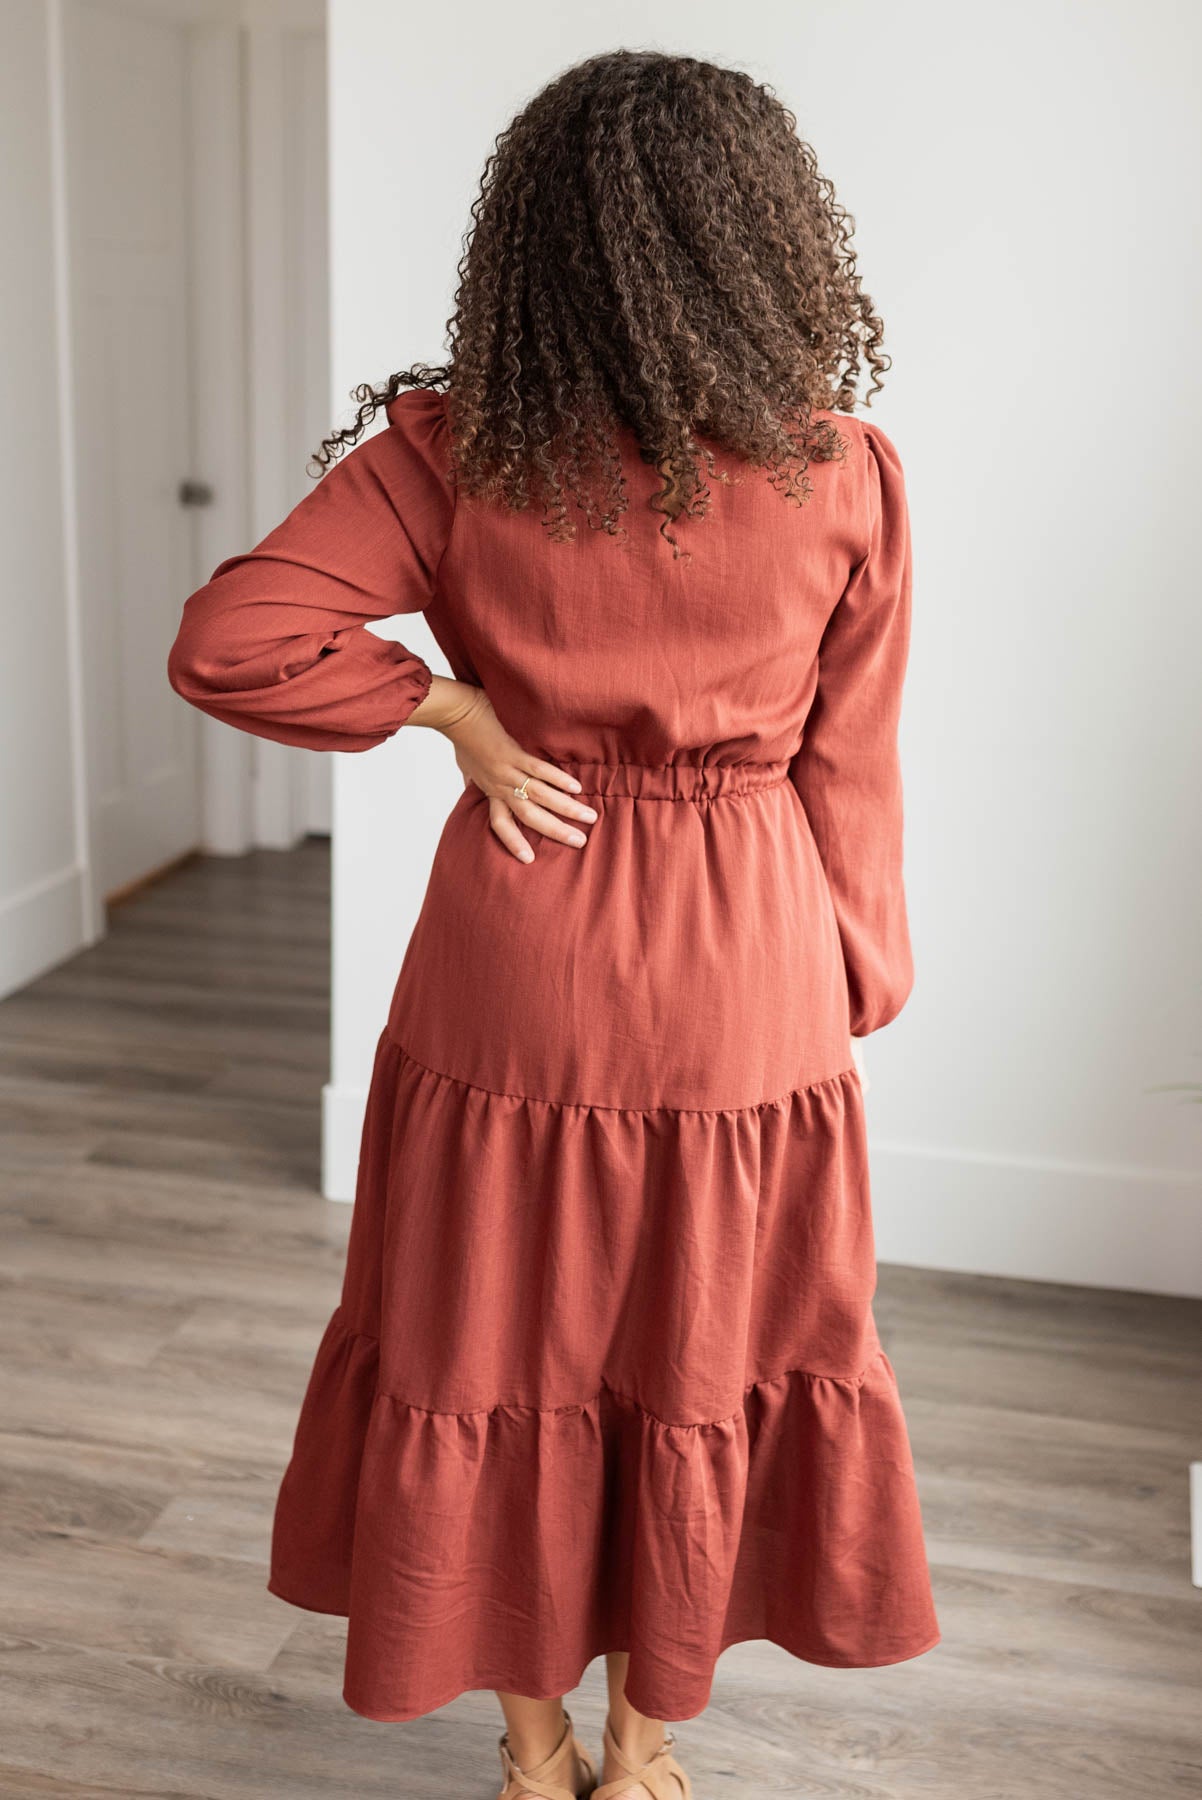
43	851
1025	185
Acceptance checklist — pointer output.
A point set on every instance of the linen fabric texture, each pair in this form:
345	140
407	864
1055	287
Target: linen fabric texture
604	1374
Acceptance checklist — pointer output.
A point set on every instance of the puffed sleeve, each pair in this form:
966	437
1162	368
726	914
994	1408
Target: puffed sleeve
847	769
275	642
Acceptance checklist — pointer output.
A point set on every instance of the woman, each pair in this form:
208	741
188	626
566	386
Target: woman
604	1377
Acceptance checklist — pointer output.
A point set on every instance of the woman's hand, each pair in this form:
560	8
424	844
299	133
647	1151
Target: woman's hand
496	763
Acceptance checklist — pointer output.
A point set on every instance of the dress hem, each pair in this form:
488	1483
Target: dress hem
510	1685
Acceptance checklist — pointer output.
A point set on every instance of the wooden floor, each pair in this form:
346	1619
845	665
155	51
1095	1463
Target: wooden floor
167	1271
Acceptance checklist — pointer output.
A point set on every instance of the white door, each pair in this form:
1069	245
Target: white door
126	123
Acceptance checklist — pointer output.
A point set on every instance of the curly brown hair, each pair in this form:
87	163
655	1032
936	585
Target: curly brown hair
652	247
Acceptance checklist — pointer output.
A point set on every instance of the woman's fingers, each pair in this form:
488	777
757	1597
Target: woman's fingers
547	805
554	777
506	828
538	818
508	813
542	793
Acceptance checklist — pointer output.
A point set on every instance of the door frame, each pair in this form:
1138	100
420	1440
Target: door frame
220	372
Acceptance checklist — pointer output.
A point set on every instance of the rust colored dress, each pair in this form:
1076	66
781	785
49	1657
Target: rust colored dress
605	1374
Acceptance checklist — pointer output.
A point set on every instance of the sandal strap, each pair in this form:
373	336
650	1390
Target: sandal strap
654	1775
535	1781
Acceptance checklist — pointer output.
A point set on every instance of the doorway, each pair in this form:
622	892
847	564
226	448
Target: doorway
187	181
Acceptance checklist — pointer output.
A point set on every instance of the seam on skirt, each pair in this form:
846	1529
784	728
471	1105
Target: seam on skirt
593	1106
577	1406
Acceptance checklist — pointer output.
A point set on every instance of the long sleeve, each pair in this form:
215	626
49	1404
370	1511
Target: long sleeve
847	769
276	641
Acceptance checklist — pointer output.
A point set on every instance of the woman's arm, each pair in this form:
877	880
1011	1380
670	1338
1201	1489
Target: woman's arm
847	770
276	641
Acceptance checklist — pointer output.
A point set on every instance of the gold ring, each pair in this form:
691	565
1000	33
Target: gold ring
521	791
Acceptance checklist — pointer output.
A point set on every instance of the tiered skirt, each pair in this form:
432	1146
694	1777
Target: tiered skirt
604	1374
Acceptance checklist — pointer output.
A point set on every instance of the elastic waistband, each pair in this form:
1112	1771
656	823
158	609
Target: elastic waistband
672	781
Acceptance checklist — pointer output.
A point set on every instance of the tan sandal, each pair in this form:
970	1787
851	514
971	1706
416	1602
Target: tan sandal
662	1777
569	1762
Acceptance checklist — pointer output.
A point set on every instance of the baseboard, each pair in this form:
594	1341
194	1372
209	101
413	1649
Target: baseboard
41	926
1038	1220
342	1110
1090	1226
